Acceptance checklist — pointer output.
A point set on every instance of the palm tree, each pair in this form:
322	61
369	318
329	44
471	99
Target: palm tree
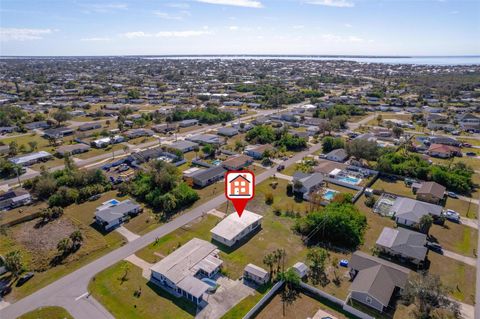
290	291
64	246
425	223
77	239
13	262
269	260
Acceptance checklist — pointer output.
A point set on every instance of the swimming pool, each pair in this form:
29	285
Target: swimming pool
112	202
212	283
216	162
350	180
329	194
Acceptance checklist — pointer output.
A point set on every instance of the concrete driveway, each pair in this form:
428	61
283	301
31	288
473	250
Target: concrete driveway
227	295
129	236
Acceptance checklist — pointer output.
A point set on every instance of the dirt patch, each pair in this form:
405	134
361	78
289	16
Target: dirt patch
42	242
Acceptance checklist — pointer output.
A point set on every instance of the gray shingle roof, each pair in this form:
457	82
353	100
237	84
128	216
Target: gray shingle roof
404	241
413	210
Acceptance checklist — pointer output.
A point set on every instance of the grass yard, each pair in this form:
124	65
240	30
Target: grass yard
47	313
20	212
304	307
118	296
456	275
464	208
99	151
200	228
37	246
397	187
457	238
42	143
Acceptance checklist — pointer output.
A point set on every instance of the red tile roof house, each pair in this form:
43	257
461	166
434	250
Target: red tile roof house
443	151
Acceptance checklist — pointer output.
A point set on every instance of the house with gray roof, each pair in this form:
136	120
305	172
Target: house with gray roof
404	244
31	158
305	184
256	274
183	146
204	139
227	131
375	281
113	213
180	272
338	155
408	212
205	177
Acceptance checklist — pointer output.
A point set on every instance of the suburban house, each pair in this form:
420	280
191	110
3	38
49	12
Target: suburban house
443	151
31	158
444	140
233	228
183	146
430	192
137	132
58	132
37	125
204	139
403	243
469	122
227	131
237	162
305	183
202	178
256	274
375	281
113	213
164	128
257	151
408	212
187	123
89	126
179	273
338	155
72	149
14	198
104	142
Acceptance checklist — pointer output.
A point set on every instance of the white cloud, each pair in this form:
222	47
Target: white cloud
19	34
347	25
105	7
169	16
96	39
233	28
238	3
333	3
338	38
166	34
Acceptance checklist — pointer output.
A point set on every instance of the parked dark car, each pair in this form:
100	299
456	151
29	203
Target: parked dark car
22	280
5	290
94	197
435	248
280	168
470	154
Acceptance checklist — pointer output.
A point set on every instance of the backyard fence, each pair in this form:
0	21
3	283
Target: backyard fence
268	296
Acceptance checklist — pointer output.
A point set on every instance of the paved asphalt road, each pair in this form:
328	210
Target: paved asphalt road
70	291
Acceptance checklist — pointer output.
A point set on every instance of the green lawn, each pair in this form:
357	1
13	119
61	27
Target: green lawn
457	238
47	313
464	208
397	187
456	275
118	296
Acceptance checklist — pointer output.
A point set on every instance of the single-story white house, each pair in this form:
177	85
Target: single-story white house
256	274
234	228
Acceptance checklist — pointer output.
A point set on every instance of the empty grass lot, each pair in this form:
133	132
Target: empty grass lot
118	296
47	313
457	238
397	187
464	208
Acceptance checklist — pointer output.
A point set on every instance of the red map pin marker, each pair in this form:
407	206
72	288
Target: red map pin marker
239	188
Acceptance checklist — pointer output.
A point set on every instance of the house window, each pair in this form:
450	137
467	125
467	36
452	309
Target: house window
243	190
242	183
368	300
236	183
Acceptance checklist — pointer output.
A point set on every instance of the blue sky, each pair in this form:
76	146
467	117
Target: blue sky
350	27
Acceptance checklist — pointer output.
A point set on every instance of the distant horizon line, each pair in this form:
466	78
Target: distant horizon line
250	55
